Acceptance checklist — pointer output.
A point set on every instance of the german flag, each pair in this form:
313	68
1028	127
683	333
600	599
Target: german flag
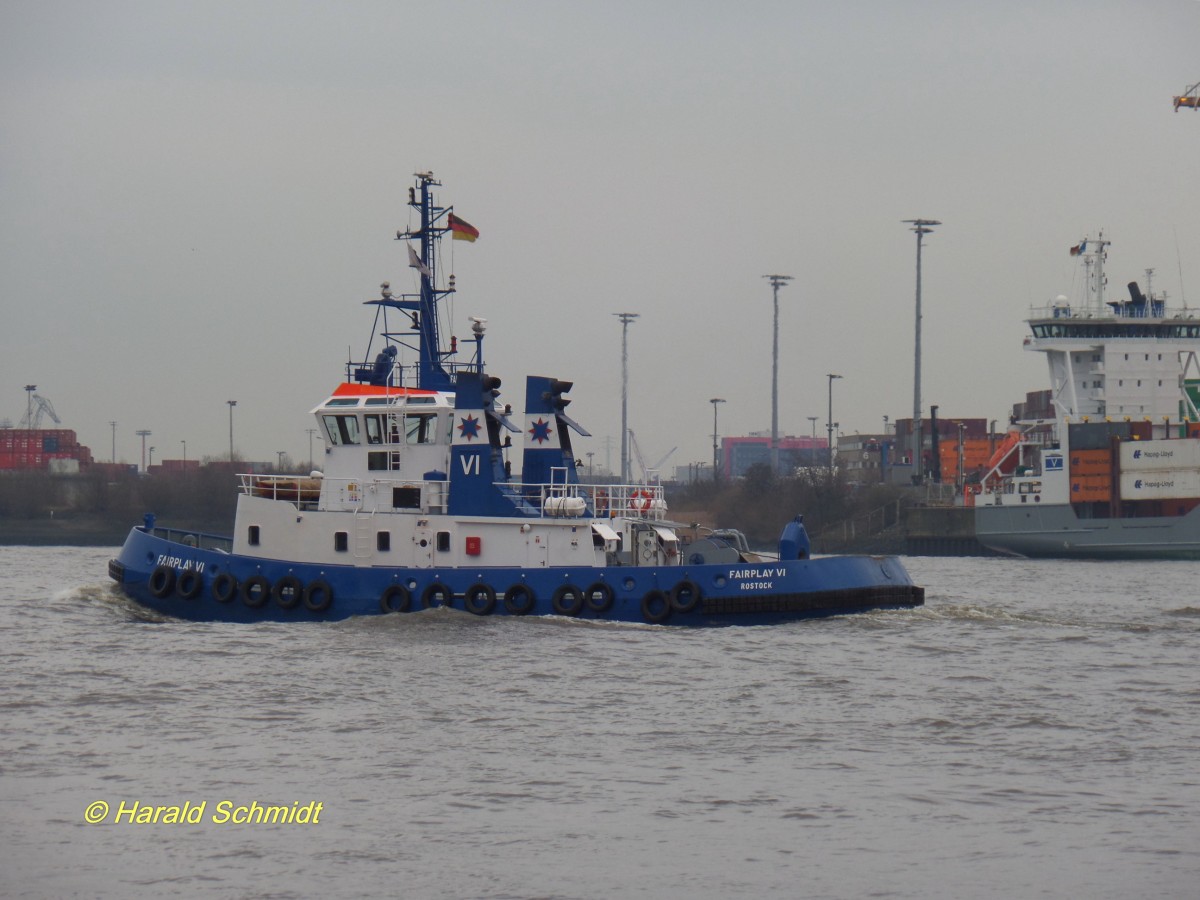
462	231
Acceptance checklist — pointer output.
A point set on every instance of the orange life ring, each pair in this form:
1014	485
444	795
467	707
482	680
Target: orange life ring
640	500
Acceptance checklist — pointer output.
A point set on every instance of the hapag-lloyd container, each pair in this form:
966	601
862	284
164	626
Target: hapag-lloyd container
1160	484
1145	456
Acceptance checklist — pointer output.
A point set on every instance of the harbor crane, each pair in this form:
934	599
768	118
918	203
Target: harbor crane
1190	98
649	473
39	407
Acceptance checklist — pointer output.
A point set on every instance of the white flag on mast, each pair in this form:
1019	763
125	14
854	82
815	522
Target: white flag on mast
415	262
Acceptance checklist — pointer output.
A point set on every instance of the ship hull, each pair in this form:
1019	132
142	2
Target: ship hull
1054	530
183	579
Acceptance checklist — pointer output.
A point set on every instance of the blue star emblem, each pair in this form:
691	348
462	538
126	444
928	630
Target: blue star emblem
469	428
540	430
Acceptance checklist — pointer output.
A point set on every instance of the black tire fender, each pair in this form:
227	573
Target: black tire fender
685	596
188	583
567	600
287	592
224	587
162	581
519	600
480	599
318	596
599	597
429	597
656	607
396	598
255	591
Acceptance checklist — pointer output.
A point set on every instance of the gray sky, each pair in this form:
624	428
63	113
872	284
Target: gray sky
198	196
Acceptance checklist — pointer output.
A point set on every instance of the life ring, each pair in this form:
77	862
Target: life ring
601	502
567	600
162	581
255	591
656	607
640	500
437	594
224	587
599	597
685	596
287	592
318	596
395	599
189	583
480	599
519	600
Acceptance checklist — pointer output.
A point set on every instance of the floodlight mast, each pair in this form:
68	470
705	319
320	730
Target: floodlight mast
777	281
626	318
921	227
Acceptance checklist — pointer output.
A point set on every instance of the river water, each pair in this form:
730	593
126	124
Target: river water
1032	732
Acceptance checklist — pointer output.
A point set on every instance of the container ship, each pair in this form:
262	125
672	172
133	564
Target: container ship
1113	470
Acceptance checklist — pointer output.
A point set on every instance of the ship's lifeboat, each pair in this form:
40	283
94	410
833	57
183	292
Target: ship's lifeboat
1004	456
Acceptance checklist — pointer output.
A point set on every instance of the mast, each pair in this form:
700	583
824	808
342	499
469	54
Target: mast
431	374
1094	252
433	371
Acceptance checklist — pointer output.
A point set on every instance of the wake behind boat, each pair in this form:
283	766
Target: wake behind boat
416	507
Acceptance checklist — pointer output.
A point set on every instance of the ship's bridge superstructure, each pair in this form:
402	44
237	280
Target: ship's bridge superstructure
1120	359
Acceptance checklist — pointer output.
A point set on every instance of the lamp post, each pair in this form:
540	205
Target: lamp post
279	461
829	426
232	404
716	465
921	227
311	432
151	457
184	453
114	442
777	281
625	318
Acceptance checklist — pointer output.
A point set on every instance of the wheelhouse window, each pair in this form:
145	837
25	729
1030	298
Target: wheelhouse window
375	429
342	429
421	429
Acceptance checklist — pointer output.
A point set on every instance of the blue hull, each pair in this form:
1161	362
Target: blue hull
177	579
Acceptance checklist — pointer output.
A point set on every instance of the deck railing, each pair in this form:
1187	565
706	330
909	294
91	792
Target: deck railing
554	500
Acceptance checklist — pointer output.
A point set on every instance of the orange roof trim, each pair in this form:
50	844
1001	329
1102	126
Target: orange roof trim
349	389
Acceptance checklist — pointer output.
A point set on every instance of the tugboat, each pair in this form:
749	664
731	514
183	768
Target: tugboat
416	507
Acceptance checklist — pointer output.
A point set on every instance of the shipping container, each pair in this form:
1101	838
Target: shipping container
1147	456
1090	488
1090	462
1164	484
1096	435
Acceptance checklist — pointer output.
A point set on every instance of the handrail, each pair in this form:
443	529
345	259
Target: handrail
604	501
